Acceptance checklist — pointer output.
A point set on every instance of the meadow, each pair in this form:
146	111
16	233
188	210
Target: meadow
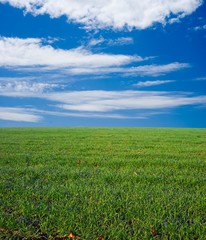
103	183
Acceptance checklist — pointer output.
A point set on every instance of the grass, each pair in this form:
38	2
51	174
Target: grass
103	183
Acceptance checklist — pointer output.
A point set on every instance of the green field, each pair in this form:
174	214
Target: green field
103	183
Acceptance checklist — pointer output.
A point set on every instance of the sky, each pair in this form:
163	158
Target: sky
119	63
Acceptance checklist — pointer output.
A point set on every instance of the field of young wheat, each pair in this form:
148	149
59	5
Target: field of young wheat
103	183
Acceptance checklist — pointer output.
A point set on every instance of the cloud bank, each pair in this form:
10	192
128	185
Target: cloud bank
116	14
97	104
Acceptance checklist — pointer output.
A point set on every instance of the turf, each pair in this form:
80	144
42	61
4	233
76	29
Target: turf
103	183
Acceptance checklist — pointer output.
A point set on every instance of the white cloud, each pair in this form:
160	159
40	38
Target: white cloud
116	14
201	78
120	41
96	41
145	70
155	70
32	52
199	28
95	115
29	84
34	115
152	83
108	104
18	115
23	86
106	101
111	42
13	79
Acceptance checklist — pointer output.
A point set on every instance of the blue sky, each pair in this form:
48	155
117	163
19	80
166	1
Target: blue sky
122	63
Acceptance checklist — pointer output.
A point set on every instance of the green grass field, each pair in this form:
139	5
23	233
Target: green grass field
103	183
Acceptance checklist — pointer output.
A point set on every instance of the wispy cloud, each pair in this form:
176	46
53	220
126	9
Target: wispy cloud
34	55
152	83
23	86
199	28
201	78
33	52
114	14
111	42
121	41
16	79
18	115
35	115
95	115
107	101
144	70
113	101
155	70
96	41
